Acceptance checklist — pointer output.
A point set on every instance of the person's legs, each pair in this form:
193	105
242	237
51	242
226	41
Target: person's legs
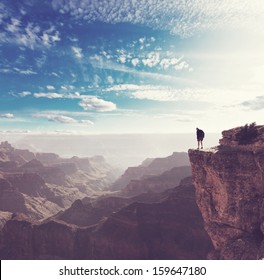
198	141
201	144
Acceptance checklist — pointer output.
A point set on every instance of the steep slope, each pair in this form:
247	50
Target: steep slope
166	180
148	190
170	228
40	185
27	193
151	167
230	194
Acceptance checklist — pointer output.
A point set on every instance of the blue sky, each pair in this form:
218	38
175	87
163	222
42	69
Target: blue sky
130	66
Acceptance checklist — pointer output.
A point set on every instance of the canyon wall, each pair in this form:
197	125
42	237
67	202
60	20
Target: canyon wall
229	183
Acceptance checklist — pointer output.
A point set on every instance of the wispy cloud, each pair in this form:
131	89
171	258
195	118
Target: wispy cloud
88	102
254	104
49	37
112	65
50	87
224	97
30	34
24	93
15	131
7	116
94	103
49	95
158	93
13	26
77	52
62	119
16	70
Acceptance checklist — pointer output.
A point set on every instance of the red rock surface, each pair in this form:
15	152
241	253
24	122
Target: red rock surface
230	194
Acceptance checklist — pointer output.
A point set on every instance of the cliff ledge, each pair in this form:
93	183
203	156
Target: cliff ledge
229	183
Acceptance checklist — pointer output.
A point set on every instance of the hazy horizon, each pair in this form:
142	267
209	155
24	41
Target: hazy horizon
121	150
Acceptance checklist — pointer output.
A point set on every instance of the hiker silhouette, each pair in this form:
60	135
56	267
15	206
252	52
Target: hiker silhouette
200	137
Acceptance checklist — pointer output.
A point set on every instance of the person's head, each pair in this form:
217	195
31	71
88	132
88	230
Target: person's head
197	128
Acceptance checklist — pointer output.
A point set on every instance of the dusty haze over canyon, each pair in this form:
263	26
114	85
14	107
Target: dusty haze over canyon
205	205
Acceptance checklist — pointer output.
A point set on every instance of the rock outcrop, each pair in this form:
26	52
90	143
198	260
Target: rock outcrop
229	182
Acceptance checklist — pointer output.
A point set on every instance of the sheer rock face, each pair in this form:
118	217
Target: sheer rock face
229	182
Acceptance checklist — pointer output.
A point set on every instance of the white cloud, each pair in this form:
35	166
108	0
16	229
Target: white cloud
15	131
153	58
122	58
165	63
16	70
87	122
110	79
123	68
49	95
13	27
164	94
3	12
106	55
184	18
63	119
97	80
6	71
142	40
77	52
49	87
182	65
130	87
88	102
40	61
7	116
24	93
25	71
94	103
31	35
157	93
196	94
55	74
135	61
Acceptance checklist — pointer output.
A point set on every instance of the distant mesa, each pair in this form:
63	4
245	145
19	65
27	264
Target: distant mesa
167	180
34	164
151	167
6	146
47	157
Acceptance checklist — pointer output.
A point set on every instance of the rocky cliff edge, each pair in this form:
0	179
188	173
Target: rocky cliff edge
229	183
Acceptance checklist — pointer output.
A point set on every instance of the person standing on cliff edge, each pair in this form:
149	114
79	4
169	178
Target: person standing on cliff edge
200	137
